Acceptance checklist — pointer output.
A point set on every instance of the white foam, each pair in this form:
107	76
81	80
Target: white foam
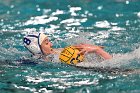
138	14
82	38
100	7
26	88
119	60
72	21
102	24
73	10
46	11
58	12
36	81
11	53
127	2
116	28
40	20
42	90
74	24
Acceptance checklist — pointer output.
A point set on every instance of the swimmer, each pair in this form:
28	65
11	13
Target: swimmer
39	45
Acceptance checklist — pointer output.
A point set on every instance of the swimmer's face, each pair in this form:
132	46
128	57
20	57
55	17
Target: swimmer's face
46	46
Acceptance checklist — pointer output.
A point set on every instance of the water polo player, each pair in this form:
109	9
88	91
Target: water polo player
39	45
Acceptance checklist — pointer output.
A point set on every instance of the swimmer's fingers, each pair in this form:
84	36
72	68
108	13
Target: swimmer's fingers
78	47
85	53
82	52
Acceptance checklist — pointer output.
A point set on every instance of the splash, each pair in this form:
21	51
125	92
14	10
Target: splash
119	60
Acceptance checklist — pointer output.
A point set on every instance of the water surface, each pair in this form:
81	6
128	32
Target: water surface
110	23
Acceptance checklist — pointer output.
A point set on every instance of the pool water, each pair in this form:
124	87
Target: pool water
114	24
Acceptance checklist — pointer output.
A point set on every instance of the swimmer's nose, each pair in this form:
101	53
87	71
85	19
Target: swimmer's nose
50	44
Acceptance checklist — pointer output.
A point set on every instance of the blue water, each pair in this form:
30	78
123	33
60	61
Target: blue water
114	24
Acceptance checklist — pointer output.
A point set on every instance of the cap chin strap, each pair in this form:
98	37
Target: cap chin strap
39	44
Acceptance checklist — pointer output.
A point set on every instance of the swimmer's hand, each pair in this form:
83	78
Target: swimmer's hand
87	48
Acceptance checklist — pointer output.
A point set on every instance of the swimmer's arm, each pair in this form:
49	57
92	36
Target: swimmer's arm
87	48
103	53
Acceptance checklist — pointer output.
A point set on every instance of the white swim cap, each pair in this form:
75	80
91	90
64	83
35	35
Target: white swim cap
33	42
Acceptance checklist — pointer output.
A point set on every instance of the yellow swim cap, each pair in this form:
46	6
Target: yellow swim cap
70	55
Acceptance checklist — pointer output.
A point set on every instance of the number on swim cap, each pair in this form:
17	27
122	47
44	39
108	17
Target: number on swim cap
27	41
